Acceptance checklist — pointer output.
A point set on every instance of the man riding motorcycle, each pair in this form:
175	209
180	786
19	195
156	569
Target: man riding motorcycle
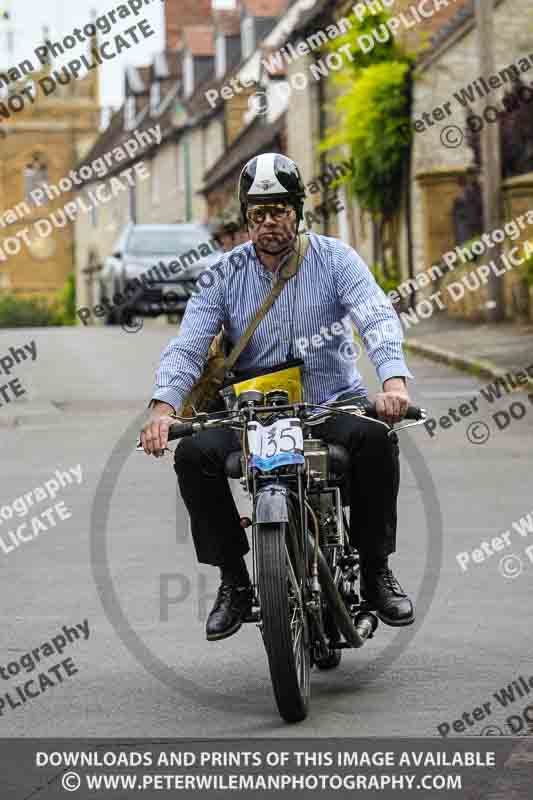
332	282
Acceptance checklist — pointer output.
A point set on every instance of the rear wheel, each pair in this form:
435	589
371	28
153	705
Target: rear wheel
284	622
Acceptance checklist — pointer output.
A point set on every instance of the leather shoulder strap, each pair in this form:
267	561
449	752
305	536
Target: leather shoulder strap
287	271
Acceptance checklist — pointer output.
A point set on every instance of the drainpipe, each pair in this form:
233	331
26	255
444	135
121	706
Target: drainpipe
322	126
188	182
408	199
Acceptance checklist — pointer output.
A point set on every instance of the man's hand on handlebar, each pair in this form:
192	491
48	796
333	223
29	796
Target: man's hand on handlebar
393	402
154	434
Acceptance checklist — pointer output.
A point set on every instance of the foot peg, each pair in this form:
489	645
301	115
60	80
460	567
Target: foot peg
365	624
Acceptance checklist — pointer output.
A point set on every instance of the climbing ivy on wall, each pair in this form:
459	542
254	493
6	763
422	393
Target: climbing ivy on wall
372	115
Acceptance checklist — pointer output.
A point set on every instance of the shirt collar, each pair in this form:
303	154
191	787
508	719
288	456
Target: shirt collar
260	267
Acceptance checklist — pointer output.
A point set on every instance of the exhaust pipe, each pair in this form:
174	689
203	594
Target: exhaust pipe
365	624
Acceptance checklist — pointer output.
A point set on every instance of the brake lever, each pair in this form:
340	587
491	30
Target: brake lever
410	424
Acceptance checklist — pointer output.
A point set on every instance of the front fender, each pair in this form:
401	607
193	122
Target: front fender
271	504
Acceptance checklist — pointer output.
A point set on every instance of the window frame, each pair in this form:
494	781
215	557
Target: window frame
155	96
221	55
129	113
34	179
248	36
188	74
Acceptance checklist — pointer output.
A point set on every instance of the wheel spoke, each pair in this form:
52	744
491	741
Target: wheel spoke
296	624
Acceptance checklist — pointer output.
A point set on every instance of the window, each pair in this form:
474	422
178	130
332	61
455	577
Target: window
220	56
129	113
248	37
188	75
155	96
35	176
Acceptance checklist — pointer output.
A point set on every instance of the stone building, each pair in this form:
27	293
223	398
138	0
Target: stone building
39	145
448	74
204	52
311	116
147	118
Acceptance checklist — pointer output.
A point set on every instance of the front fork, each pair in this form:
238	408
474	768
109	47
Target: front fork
272	505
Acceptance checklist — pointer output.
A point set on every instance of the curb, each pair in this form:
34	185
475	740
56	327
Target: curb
474	366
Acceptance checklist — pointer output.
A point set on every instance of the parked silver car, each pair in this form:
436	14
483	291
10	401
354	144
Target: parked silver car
153	269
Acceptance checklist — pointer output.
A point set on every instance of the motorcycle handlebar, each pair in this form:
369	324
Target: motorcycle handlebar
413	412
182	429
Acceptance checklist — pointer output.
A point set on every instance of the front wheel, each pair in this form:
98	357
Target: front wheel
284	622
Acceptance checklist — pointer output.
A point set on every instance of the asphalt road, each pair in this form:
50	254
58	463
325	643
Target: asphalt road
146	669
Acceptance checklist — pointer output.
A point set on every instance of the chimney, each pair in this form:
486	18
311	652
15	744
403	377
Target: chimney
198	56
182	13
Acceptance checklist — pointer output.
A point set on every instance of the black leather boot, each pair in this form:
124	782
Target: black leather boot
233	603
380	589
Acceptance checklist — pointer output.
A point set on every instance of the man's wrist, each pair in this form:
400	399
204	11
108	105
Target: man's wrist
159	406
395	384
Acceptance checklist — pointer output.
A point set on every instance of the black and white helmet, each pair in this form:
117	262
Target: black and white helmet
271	177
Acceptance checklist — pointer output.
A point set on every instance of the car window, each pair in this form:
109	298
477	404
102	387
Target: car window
166	242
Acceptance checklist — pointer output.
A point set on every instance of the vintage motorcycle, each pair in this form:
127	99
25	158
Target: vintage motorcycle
305	571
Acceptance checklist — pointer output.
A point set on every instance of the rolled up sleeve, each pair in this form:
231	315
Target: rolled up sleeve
184	359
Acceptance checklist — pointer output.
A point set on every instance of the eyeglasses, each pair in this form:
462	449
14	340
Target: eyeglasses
259	214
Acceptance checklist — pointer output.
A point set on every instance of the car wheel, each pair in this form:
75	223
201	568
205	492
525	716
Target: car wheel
113	317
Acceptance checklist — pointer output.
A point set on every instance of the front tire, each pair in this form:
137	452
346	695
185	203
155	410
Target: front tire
285	630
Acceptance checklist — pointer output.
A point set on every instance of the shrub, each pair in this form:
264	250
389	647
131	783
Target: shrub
66	304
37	312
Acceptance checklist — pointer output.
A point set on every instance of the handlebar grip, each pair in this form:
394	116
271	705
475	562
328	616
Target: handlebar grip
413	412
180	429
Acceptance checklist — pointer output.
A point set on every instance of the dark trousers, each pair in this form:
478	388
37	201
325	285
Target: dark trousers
372	488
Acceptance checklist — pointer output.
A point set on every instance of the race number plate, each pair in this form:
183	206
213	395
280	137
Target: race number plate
275	445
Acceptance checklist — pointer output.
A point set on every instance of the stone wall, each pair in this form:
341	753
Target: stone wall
59	128
437	168
160	200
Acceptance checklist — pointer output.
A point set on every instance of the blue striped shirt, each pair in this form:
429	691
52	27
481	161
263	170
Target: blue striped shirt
332	289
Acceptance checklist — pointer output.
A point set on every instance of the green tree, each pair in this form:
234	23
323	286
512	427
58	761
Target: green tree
372	119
